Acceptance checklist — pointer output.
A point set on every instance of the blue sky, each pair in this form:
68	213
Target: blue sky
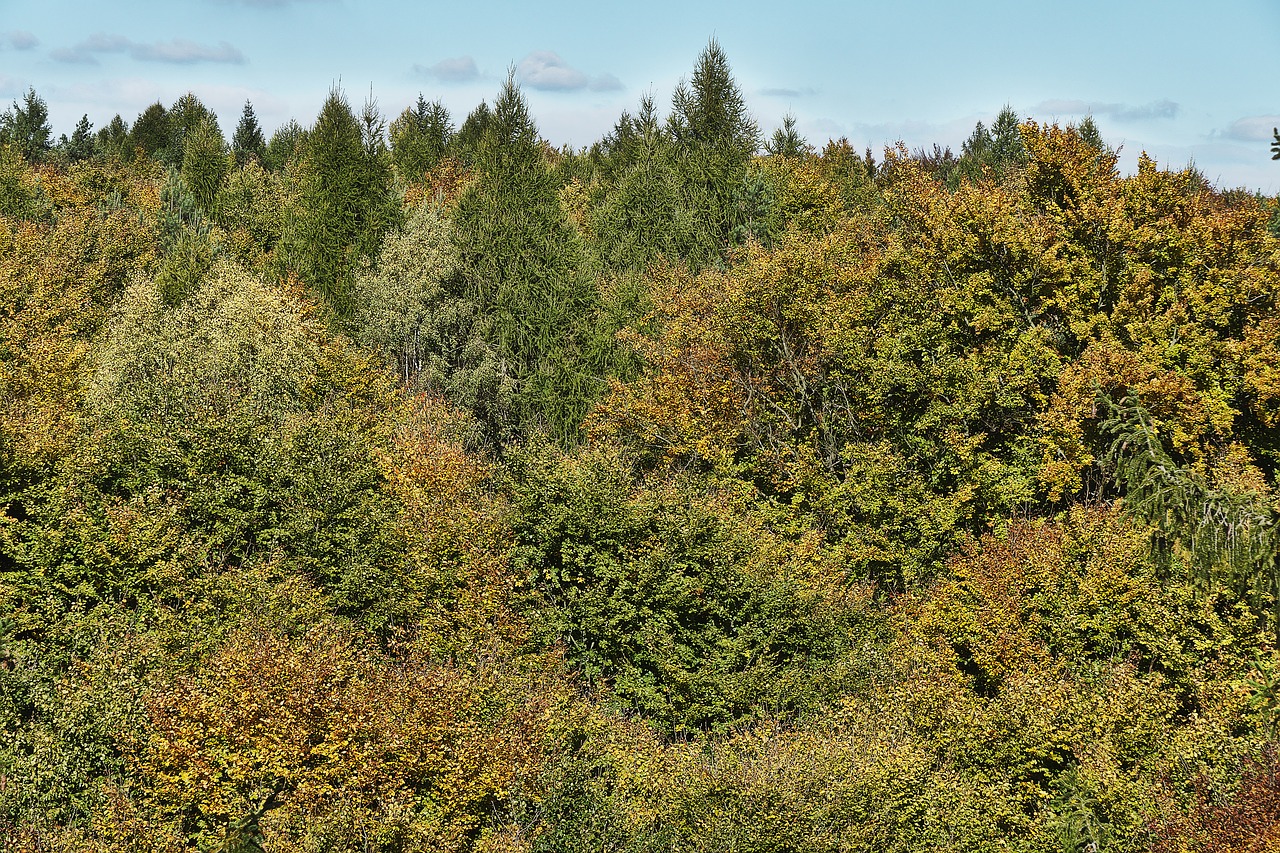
1185	81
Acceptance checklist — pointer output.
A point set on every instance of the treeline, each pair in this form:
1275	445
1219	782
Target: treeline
420	486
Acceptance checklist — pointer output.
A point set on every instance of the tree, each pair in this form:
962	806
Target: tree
113	139
343	202
204	163
151	131
715	138
419	138
248	140
285	144
526	365
786	141
26	126
80	145
186	114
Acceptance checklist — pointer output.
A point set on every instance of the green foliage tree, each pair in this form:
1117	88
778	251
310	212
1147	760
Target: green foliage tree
786	140
113	139
152	132
715	137
343	201
80	146
26	127
205	163
419	138
248	140
402	305
532	360
286	143
186	115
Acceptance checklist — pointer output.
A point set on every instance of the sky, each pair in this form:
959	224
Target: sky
1187	82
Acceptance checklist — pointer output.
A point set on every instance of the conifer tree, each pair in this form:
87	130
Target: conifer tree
419	138
204	163
80	146
285	144
715	138
527	363
151	131
113	139
786	140
186	114
26	126
248	140
343	201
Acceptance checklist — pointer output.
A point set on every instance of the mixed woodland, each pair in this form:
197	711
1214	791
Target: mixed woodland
411	484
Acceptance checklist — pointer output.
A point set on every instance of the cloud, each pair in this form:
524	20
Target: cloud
1253	128
18	40
175	51
455	69
545	70
1120	112
789	93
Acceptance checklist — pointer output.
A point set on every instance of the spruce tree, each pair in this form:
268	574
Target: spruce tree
113	140
26	126
248	141
786	140
527	364
715	138
285	144
419	138
343	202
186	114
205	163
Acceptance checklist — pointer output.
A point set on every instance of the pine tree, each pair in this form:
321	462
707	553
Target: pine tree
248	141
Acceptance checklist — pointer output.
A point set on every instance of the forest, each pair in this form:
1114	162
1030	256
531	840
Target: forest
414	485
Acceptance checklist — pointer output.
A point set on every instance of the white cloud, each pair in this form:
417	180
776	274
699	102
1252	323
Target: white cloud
18	40
1253	128
789	93
455	69
175	51
1162	109
545	70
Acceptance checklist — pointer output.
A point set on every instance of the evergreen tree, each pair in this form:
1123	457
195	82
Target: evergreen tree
248	140
645	212
186	114
26	126
786	140
151	131
715	138
419	138
113	140
527	363
205	163
343	201
466	142
1007	148
80	146
285	144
